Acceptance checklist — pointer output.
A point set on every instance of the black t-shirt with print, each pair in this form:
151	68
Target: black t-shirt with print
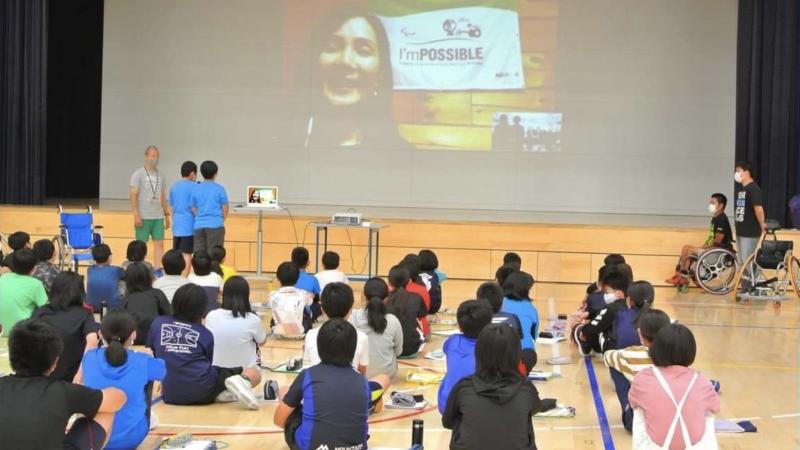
747	197
720	224
34	411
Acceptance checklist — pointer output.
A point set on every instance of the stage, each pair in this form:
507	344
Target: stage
555	247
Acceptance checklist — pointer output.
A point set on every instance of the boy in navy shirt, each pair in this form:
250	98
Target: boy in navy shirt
103	279
180	198
327	405
187	347
209	203
473	316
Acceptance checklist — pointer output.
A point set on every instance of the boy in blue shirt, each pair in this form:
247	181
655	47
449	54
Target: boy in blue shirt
116	365
187	348
327	404
180	197
472	316
103	279
209	203
517	301
307	282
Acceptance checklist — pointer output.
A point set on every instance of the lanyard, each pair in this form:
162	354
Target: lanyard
153	188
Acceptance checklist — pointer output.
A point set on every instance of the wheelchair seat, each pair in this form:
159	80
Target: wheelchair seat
772	253
77	236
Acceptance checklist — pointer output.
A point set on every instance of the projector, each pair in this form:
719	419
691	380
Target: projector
346	218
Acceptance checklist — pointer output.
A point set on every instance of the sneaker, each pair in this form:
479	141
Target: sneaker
226	397
242	390
583	346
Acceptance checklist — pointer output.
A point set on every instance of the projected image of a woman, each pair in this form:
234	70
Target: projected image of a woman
351	83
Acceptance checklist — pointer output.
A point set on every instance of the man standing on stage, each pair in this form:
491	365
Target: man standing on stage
149	203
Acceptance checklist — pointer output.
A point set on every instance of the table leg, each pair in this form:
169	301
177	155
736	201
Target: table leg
377	250
369	252
259	244
316	251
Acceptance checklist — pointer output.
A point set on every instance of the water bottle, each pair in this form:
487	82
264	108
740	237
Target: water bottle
103	309
417	428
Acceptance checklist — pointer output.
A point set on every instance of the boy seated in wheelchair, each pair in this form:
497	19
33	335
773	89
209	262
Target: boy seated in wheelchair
719	235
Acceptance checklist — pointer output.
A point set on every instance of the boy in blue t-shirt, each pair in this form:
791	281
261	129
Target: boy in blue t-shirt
180	198
209	203
327	405
116	365
307	282
459	349
103	280
187	347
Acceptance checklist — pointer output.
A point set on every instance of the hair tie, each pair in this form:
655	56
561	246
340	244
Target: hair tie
116	338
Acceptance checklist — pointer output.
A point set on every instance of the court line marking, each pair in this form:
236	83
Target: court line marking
605	431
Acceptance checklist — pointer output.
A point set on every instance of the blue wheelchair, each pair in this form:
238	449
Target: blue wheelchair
76	237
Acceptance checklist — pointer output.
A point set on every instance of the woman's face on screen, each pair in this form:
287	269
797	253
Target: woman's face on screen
350	63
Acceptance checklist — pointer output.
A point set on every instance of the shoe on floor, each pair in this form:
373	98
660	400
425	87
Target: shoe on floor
241	388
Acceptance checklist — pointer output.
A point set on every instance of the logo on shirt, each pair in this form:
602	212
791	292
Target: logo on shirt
741	203
352	447
177	338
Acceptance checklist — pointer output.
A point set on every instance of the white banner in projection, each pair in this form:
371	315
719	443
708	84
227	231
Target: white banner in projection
456	49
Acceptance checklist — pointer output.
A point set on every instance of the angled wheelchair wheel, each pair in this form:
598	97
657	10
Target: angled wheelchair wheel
716	271
794	273
62	258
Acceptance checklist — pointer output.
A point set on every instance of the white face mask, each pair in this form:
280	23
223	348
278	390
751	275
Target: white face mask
737	176
609	297
712	208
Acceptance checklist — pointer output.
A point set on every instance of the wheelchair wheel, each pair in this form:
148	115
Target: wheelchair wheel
716	271
62	258
794	274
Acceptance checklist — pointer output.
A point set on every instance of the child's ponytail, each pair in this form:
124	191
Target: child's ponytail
376	314
117	328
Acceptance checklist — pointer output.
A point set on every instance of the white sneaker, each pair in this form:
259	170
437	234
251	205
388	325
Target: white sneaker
242	390
226	397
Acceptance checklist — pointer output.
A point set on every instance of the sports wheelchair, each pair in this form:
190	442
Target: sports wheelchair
76	237
772	257
714	270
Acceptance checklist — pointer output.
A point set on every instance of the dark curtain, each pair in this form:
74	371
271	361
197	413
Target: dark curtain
75	59
23	100
767	100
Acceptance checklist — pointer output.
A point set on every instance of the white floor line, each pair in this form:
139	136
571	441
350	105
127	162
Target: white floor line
785	416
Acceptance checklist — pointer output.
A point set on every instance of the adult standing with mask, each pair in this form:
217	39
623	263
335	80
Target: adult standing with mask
748	213
149	203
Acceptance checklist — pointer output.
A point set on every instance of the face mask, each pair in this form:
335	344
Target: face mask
609	297
712	208
737	176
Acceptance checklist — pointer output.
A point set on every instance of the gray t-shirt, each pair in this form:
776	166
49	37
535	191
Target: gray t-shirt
151	185
384	348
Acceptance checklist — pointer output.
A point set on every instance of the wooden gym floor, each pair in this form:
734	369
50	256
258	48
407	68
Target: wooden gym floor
751	349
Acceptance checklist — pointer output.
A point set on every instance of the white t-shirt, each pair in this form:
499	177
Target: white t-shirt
212	280
288	304
168	284
311	354
235	338
330	276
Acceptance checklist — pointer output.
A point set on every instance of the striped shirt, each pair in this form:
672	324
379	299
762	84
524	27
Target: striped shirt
628	361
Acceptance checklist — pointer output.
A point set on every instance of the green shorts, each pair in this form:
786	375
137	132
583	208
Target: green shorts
150	227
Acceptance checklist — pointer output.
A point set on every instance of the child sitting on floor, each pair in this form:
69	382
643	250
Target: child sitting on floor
187	347
331	274
459	349
35	408
102	284
290	315
327	405
116	365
